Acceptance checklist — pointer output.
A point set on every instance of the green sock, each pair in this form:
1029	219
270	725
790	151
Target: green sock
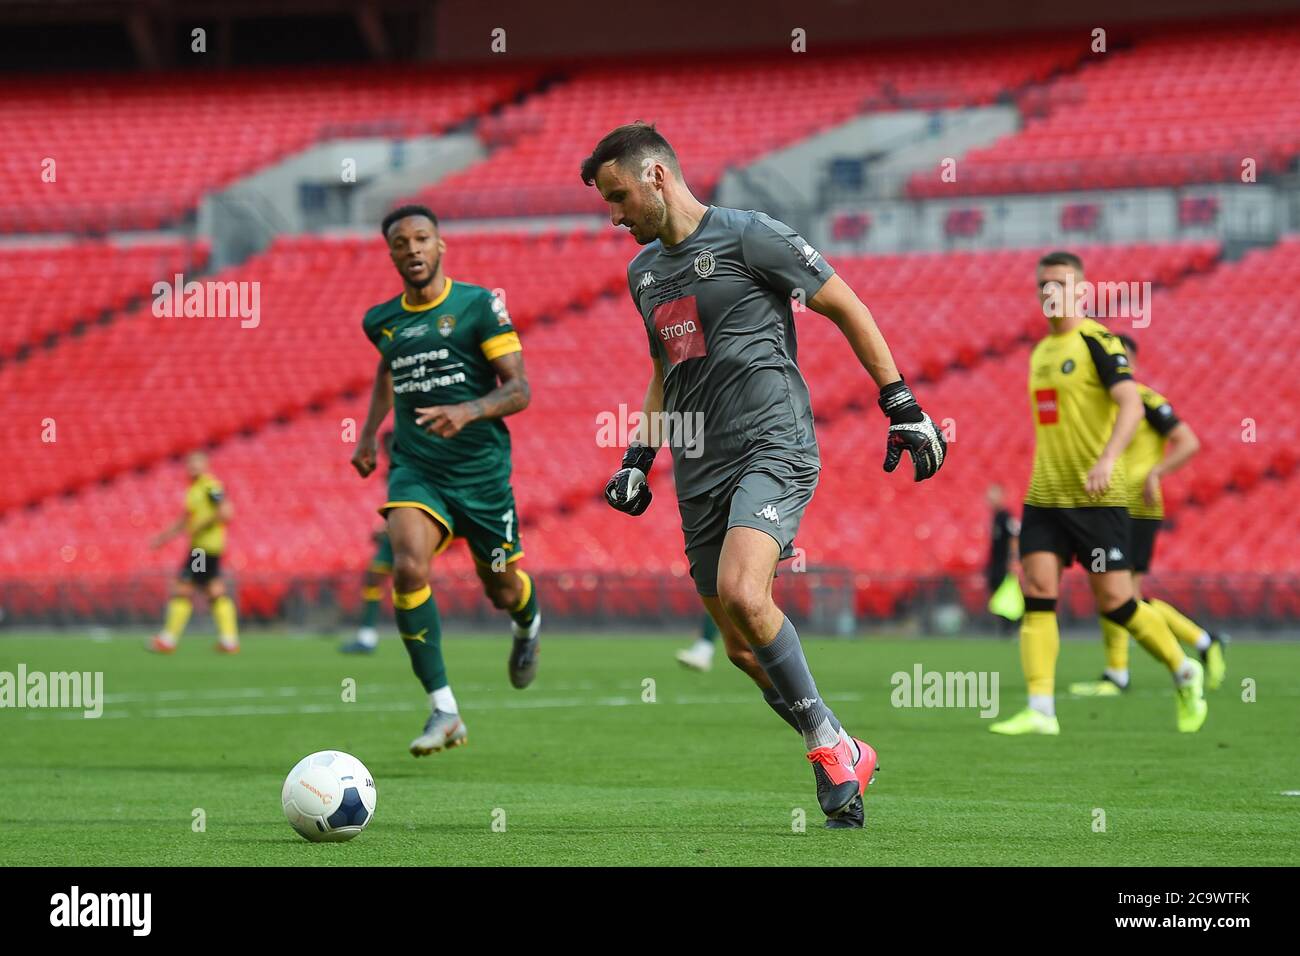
526	610
709	631
370	609
421	630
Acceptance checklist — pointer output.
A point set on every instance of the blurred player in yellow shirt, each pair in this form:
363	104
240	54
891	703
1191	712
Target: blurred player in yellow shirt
207	512
1163	444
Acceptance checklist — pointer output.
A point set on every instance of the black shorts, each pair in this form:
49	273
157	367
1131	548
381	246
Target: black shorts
1142	543
1098	537
211	568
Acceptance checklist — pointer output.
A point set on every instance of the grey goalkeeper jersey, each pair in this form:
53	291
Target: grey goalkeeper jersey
718	313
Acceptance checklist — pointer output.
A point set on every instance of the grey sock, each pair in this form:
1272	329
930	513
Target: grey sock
773	698
787	668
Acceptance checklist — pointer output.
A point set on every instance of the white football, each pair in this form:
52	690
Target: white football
329	797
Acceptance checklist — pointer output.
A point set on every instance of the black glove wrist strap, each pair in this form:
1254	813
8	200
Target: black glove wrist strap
897	401
640	457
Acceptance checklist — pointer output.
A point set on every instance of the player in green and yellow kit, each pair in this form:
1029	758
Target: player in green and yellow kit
450	369
1161	446
207	512
1085	408
378	571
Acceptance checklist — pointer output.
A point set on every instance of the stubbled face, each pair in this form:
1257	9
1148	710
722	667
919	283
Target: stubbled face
635	199
1054	284
196	465
416	250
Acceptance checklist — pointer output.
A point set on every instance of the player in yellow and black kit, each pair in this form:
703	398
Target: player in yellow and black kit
1085	407
1161	446
444	346
207	512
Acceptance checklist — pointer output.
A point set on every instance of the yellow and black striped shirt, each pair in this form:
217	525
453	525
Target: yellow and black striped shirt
1070	376
202	501
1147	450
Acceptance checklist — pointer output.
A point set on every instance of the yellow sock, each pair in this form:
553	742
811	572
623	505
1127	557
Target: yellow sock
178	615
223	612
1040	643
1150	630
1115	640
1182	626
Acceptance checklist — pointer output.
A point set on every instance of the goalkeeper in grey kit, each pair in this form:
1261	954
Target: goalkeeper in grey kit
714	288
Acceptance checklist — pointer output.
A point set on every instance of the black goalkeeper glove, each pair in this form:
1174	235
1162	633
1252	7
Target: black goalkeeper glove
912	430
628	491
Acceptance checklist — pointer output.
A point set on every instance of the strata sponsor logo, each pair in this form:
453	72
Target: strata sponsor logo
75	909
210	300
955	689
1045	402
65	690
679	328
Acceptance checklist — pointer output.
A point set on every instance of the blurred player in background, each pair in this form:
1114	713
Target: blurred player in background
1003	551
714	289
444	346
699	656
1161	445
207	512
378	572
1086	408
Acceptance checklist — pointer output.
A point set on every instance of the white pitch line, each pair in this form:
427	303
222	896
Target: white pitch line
534	703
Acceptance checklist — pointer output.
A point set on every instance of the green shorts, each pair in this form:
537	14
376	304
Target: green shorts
484	515
382	562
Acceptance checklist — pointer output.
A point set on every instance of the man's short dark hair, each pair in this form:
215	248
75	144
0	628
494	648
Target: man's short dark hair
1062	258
629	145
1130	346
402	212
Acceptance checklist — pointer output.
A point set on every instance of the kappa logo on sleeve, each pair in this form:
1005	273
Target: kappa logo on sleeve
680	331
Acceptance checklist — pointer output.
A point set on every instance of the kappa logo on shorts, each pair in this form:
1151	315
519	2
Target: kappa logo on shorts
770	514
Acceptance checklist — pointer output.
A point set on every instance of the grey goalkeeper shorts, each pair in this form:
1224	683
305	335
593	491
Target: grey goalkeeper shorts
768	495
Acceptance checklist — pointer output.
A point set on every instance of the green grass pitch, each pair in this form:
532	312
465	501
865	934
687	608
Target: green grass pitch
582	771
